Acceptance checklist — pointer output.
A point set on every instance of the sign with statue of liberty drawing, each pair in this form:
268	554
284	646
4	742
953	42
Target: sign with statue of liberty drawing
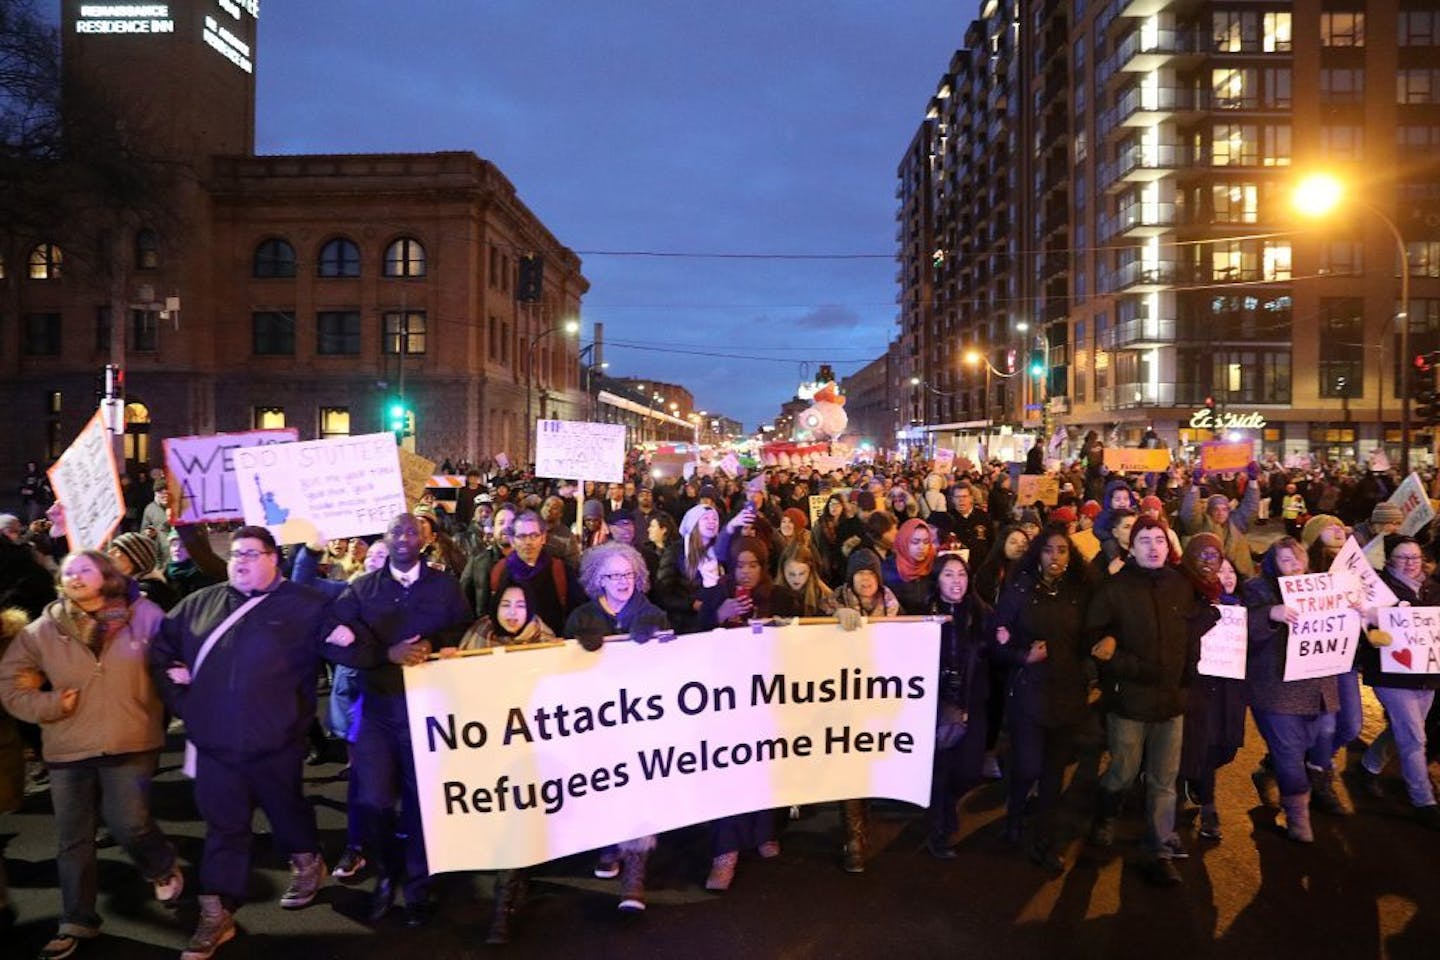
317	490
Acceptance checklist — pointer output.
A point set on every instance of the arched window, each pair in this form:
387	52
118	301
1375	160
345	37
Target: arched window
45	262
405	258
274	258
339	258
147	249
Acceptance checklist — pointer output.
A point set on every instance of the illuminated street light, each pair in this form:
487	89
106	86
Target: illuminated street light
1321	194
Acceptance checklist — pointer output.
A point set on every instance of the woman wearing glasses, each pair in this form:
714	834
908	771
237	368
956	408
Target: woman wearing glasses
1407	697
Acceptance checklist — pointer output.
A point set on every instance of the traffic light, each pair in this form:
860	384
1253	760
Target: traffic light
1426	409
1427	405
1037	364
399	419
532	278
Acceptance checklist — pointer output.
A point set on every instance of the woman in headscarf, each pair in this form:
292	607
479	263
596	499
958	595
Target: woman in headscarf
907	569
1214	729
963	689
101	731
1040	624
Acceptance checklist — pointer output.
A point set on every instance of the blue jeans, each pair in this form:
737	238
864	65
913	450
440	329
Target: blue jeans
1347	721
1406	709
124	799
345	692
1292	740
1157	743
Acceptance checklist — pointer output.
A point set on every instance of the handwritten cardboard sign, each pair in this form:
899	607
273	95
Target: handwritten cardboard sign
1135	460
1031	487
1224	646
1414	640
318	490
200	472
87	484
1322	644
1309	593
1413	502
574	449
415	474
1222	456
1352	560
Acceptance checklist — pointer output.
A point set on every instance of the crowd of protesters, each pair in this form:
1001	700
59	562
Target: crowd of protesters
1069	631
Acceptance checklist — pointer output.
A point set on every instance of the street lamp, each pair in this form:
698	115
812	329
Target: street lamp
1320	194
973	357
569	327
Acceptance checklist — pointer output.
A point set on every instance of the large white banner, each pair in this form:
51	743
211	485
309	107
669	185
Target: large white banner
576	450
1414	640
86	481
321	489
525	756
200	472
1352	560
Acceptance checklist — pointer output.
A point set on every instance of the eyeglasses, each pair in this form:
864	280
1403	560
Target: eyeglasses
1210	554
618	577
249	554
1407	558
527	536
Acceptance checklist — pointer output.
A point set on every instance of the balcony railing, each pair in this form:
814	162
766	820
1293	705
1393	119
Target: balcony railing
1139	274
1137	333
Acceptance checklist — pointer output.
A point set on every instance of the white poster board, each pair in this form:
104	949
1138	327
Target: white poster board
318	490
1322	644
1414	640
1224	646
1351	560
576	450
200	472
525	756
86	482
1413	502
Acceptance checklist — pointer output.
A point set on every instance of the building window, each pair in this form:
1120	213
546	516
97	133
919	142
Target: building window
45	262
40	335
337	332
1235	202
405	258
2	268
338	258
407	327
147	249
145	331
1234	88
1342	368
1416	142
269	418
273	333
334	422
494	266
1340	258
1342	84
1276	93
1341	142
1417	86
1424	257
1342	28
1419	28
505	342
494	337
1276	32
274	259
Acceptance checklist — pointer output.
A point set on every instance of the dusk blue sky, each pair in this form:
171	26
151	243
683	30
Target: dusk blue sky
747	126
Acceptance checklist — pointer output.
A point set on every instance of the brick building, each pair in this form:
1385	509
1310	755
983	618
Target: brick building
303	291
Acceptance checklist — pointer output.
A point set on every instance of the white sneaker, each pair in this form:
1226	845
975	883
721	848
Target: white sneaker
169	888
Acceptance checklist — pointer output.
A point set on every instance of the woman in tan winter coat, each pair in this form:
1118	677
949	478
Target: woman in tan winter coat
101	734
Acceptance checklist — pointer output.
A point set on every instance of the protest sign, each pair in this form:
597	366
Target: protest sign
1223	647
1135	460
200	474
525	756
502	461
1223	456
415	474
1414	640
318	490
1031	487
1322	592
944	459
1352	560
574	449
730	463
87	484
1410	497
1321	644
817	507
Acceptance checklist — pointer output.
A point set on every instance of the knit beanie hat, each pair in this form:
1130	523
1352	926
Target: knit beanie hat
1090	508
1315	526
139	549
862	558
692	519
1386	513
1151	503
593	510
1063	515
797	517
1216	500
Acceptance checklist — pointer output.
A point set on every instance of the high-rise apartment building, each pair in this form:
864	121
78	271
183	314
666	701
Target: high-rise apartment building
1139	235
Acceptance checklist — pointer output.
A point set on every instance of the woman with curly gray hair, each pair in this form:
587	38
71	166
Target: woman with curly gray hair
615	577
